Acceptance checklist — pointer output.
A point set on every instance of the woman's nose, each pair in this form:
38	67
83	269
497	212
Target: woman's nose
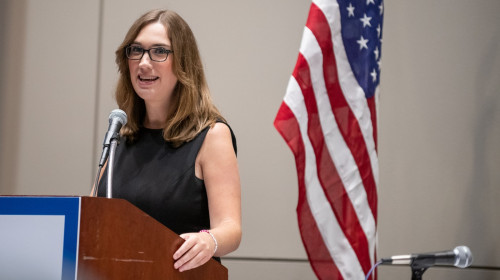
145	60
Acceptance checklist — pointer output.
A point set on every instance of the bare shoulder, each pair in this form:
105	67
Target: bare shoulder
216	152
219	131
218	142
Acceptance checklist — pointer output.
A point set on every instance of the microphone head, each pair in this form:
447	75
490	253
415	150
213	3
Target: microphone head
119	115
463	256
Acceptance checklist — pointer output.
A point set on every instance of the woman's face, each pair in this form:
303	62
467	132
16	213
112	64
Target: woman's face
153	81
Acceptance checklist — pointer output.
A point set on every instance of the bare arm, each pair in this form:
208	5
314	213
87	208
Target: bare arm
216	164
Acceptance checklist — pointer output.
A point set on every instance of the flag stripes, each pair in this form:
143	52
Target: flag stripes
327	122
328	177
346	120
332	236
310	234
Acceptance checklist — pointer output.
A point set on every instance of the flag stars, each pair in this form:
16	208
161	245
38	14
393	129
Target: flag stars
363	43
362	23
350	10
366	20
374	75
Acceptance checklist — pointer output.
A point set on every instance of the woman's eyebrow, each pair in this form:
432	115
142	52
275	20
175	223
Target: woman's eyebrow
154	45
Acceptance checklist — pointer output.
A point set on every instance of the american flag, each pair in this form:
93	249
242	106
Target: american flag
328	118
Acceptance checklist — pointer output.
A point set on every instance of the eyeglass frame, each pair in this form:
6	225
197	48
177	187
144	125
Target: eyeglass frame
148	51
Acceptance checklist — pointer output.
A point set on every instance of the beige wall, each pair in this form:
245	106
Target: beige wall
438	129
48	94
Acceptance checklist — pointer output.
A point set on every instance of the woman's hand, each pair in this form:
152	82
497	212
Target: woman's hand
196	250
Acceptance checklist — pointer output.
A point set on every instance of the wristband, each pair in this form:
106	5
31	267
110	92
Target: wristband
213	237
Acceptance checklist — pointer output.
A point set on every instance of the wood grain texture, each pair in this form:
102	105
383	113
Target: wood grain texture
119	241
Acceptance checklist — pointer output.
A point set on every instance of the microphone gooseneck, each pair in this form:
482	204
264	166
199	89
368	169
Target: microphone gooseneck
117	119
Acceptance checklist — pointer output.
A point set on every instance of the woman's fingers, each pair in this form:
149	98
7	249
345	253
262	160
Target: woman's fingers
184	247
194	252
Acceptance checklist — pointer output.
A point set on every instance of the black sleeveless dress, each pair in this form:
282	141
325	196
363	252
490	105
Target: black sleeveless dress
160	180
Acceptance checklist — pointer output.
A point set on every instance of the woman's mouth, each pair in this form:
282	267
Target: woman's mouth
148	78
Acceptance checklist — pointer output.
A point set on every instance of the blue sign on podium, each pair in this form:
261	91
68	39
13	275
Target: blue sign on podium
39	237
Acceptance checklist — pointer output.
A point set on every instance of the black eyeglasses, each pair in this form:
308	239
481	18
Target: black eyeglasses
158	54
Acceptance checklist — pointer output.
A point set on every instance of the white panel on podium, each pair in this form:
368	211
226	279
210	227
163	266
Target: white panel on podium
34	241
39	237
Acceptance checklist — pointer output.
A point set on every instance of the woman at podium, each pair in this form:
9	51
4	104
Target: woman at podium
177	156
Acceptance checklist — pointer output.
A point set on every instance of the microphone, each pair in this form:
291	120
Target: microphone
117	119
460	257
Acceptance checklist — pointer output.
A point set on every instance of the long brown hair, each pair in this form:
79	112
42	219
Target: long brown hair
194	109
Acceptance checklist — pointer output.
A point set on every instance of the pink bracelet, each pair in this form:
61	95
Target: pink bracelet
213	237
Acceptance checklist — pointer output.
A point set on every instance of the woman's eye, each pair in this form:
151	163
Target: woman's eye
135	49
161	51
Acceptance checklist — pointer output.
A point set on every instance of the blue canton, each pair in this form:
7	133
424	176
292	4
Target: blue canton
361	22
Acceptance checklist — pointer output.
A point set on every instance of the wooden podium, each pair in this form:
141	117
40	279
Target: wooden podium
102	239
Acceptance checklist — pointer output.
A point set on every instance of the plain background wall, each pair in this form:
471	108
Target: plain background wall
439	117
